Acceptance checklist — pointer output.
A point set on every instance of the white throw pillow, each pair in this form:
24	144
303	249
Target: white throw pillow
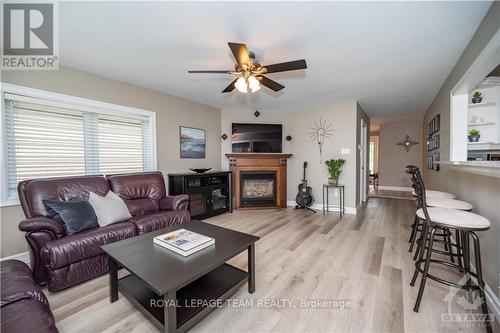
109	209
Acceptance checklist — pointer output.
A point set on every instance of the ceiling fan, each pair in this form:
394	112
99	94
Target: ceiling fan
250	73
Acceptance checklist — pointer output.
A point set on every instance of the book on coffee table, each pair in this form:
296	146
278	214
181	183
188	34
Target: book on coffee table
183	241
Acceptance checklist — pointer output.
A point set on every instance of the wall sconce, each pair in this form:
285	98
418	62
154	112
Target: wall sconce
224	136
256	114
288	138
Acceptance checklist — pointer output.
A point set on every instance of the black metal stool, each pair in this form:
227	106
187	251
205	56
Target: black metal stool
465	224
437	199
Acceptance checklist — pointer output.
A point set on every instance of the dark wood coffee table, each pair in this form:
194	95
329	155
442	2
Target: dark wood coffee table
174	291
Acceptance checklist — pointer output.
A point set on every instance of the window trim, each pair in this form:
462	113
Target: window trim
68	101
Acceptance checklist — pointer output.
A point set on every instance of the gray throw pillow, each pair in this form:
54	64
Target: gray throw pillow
109	209
75	215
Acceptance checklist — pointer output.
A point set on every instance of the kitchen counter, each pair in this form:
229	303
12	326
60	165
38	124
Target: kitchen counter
483	168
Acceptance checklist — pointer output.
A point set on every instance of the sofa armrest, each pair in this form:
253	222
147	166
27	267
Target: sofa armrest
176	202
41	223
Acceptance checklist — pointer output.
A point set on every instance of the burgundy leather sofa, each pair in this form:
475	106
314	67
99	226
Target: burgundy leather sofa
24	306
62	260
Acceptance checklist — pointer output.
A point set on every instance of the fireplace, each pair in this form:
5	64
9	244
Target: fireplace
258	180
258	188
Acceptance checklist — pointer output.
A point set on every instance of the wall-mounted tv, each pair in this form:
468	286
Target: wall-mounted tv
256	138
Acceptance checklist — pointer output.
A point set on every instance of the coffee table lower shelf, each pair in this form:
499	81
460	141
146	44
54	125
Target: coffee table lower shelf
192	299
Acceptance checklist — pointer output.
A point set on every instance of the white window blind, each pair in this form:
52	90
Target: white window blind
44	140
121	145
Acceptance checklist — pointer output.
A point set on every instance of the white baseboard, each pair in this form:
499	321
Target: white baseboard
331	208
395	188
24	256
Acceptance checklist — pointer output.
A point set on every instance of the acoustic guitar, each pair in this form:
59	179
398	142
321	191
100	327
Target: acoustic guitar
304	198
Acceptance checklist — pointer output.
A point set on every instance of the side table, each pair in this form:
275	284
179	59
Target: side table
326	188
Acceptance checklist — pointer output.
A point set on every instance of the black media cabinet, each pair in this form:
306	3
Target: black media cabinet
209	192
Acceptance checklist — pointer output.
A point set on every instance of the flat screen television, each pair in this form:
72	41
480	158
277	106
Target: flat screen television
256	138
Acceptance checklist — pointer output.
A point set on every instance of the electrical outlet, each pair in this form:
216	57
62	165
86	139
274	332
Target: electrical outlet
345	151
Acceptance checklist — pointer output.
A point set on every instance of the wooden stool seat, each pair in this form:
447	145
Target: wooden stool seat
435	194
453	218
448	203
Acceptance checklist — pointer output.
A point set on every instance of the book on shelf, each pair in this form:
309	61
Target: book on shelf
183	241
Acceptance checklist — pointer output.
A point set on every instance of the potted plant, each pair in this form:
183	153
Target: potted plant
334	169
477	97
474	135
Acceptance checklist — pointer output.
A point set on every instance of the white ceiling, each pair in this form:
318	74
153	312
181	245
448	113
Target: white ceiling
391	56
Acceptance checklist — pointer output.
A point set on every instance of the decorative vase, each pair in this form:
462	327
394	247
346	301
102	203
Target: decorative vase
474	138
476	100
333	181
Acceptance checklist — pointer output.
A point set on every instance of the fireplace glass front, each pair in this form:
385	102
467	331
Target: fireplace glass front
257	188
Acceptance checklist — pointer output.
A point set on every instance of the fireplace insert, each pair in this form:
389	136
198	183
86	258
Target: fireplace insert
257	188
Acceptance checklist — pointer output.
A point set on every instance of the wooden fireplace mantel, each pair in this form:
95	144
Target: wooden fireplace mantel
259	155
276	162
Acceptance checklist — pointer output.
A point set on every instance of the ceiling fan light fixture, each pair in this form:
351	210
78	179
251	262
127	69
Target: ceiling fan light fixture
253	83
241	85
250	73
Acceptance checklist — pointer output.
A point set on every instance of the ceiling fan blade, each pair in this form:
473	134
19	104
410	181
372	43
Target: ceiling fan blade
230	87
240	52
286	66
273	85
198	72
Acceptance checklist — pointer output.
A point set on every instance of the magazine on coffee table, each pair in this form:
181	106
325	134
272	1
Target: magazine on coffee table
183	241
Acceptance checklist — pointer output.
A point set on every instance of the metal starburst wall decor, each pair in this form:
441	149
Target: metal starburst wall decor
319	133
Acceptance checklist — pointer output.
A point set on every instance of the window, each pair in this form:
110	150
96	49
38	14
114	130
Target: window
46	138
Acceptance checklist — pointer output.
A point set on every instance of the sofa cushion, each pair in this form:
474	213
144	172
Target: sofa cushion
27	316
33	192
86	244
75	215
159	220
109	209
17	283
142	192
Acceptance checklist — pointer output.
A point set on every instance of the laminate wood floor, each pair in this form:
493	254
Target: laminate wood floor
389	194
301	259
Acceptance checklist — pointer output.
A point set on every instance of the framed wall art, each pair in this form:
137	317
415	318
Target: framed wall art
192	142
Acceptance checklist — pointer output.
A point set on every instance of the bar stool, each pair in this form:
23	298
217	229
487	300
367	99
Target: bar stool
445	233
412	169
465	224
436	194
438	199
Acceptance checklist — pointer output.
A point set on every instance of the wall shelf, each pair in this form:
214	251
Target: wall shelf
481	143
482	124
483	104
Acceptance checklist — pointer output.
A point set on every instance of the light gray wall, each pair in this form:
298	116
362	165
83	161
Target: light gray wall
340	113
392	158
297	123
483	192
234	115
171	112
